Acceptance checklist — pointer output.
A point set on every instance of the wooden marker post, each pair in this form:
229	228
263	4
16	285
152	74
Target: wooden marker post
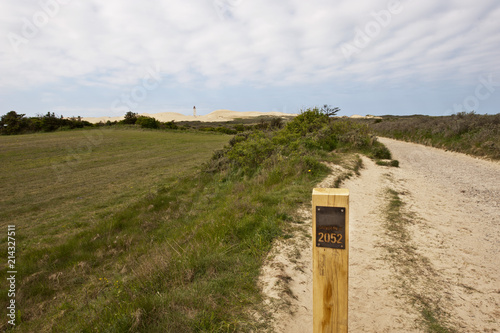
330	259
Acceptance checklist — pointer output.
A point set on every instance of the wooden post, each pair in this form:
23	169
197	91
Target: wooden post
330	259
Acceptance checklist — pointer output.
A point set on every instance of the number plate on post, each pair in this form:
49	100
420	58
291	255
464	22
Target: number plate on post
330	227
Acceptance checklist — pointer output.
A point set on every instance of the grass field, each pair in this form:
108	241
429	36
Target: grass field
56	186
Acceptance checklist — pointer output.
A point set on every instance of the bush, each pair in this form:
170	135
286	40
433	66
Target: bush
50	122
226	130
382	152
276	123
250	154
391	163
147	122
262	125
239	127
302	142
170	125
307	121
14	123
130	118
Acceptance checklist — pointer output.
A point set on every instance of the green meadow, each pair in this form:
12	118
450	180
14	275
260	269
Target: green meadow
58	186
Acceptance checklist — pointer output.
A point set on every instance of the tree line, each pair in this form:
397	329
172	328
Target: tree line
18	123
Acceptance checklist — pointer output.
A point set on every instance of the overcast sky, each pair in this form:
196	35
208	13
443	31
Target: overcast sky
104	58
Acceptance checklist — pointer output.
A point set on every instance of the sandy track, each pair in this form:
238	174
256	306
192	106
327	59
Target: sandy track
454	201
458	199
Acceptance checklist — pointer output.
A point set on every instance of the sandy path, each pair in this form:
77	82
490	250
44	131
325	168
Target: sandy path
458	199
455	202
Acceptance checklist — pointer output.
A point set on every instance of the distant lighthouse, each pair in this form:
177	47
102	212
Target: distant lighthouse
194	111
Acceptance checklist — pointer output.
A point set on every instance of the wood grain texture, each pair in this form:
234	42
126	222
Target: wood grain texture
330	269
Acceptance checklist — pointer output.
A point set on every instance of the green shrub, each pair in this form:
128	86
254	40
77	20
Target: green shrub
130	118
262	125
226	130
302	142
276	123
307	121
239	127
391	163
13	123
238	138
382	152
147	122
251	153
170	125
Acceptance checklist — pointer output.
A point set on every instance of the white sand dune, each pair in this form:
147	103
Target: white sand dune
218	115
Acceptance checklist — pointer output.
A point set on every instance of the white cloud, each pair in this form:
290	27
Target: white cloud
231	42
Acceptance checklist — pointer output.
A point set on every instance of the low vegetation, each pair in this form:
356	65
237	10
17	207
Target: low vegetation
134	237
469	133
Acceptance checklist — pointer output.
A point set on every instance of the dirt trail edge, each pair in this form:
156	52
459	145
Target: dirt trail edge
440	269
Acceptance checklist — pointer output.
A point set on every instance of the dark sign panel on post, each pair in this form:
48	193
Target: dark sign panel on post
330	227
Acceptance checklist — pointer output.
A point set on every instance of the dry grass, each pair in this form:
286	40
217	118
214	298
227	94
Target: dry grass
464	132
